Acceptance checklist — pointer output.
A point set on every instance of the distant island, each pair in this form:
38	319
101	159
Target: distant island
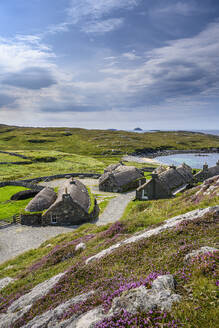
137	129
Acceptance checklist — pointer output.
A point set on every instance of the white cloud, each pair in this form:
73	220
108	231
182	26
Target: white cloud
179	8
97	8
130	56
22	51
102	26
97	16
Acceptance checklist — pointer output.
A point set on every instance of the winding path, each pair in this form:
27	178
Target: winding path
16	239
115	208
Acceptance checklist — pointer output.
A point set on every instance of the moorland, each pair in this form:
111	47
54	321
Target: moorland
61	150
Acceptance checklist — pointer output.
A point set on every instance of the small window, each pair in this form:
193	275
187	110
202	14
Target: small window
144	194
53	219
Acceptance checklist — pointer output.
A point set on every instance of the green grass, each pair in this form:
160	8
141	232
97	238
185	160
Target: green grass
92	200
86	150
142	214
8	191
8	208
10	158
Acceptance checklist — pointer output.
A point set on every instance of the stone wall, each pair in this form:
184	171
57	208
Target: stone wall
21	184
31	183
16	163
68	212
31	219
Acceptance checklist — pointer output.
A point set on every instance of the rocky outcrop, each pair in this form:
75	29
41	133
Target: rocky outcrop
202	250
168	224
50	318
5	282
22	305
161	296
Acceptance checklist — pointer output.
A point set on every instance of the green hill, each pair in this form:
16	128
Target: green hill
130	265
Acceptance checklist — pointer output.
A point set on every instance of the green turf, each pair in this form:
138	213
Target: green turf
8	208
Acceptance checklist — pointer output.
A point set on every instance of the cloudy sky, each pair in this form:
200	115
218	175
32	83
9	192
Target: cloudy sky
110	63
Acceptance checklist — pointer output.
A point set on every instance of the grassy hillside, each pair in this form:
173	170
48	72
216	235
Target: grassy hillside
99	142
61	150
135	263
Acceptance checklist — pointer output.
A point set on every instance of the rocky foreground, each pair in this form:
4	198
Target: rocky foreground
163	276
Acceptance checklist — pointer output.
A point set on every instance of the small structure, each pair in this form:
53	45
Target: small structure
165	184
72	206
207	172
120	178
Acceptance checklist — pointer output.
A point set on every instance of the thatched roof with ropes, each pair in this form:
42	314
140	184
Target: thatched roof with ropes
77	191
43	200
121	175
172	178
209	172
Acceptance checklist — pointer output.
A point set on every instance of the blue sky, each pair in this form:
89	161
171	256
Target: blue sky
110	63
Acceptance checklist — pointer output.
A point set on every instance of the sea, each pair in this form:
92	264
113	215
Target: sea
193	160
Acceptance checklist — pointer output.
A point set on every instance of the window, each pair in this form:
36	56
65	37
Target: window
53	219
144	194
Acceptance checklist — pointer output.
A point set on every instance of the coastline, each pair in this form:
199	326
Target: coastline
151	153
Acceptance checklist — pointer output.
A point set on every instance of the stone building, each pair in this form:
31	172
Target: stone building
207	172
165	184
72	205
120	178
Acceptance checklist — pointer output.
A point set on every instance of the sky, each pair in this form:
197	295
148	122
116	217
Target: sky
106	64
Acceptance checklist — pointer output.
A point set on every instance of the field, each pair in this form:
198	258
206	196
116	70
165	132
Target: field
63	150
8	208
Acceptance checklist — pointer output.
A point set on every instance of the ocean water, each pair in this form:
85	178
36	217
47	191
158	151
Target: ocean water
193	160
214	132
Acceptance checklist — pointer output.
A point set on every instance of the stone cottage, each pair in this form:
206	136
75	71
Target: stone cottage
72	205
207	172
120	178
165	184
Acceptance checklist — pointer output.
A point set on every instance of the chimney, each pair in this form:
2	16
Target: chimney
205	167
154	176
172	166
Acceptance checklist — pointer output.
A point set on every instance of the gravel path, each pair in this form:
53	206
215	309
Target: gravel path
115	208
17	239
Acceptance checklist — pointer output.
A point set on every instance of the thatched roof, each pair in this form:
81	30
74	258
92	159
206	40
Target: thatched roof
208	172
160	169
43	200
173	178
78	192
212	171
121	175
111	167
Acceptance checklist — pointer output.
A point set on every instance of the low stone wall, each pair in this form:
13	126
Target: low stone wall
32	183
13	154
21	184
16	163
31	219
64	175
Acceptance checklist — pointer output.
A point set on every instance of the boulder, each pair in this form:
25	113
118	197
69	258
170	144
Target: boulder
80	247
161	296
5	282
202	250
